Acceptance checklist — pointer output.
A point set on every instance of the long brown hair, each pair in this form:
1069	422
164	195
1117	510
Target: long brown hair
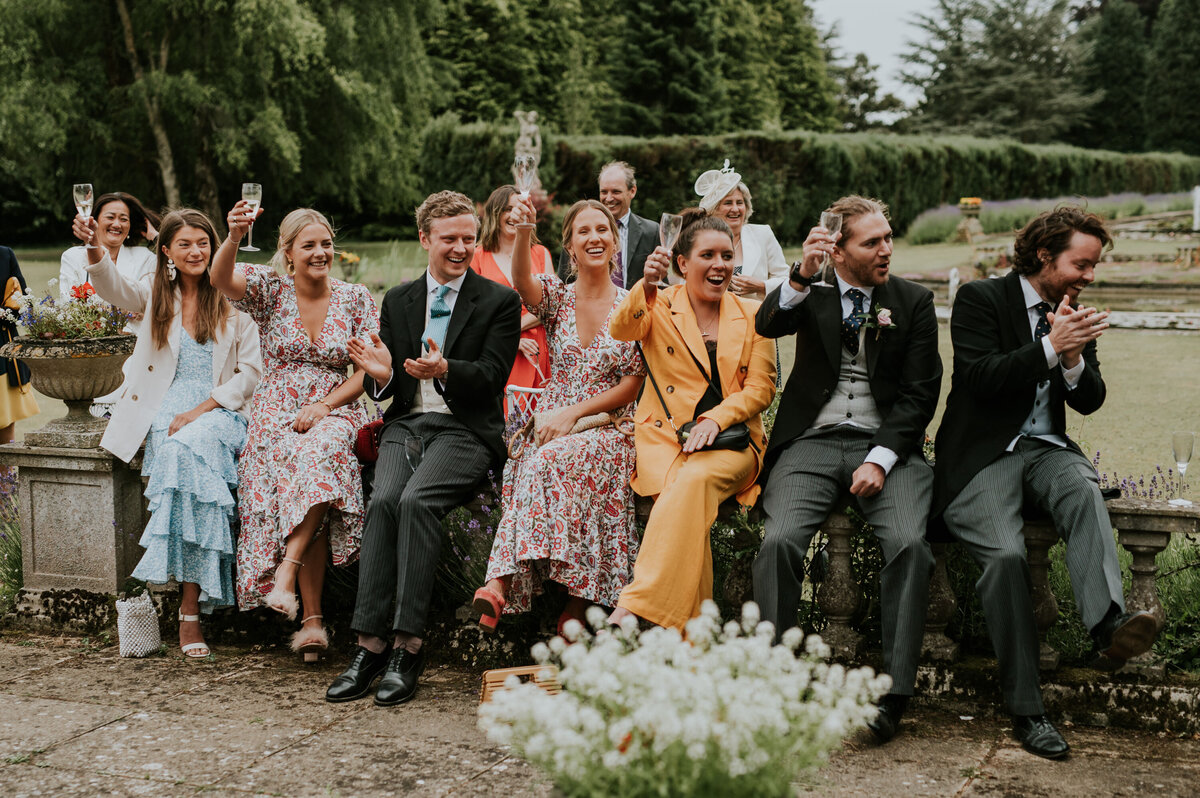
212	309
568	231
493	209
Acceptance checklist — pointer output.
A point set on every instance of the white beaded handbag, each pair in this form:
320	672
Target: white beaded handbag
137	626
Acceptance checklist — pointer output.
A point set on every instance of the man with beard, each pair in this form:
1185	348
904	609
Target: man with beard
1022	349
852	418
445	346
637	237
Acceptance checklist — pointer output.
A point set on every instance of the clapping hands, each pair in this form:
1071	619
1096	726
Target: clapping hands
1071	329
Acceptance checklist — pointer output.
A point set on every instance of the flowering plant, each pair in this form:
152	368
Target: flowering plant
722	712
84	315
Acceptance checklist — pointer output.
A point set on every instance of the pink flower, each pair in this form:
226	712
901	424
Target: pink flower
883	317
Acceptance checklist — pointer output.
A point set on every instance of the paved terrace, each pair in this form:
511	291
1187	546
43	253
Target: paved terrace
77	720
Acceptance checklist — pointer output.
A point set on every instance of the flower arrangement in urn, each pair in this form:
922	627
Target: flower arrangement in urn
84	315
723	711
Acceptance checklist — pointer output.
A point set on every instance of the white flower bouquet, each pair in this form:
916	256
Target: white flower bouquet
722	712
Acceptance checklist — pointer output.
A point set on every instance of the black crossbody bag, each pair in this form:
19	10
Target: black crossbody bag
735	437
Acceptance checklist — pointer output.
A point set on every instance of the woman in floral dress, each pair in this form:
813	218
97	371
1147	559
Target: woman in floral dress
568	508
300	487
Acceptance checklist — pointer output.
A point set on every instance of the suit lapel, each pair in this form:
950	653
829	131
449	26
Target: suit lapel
750	249
872	339
464	306
827	312
730	343
1019	314
415	316
684	319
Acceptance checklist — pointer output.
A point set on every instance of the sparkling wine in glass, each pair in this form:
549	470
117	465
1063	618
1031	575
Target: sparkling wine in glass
524	174
1182	444
81	194
252	194
833	223
414	450
670	225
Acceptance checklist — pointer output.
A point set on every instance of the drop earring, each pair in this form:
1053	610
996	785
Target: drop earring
170	269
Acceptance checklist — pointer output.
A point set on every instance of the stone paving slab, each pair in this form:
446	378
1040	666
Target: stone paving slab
29	725
16	661
26	781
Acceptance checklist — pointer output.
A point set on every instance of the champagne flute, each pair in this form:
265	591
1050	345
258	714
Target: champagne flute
1182	444
670	225
414	450
81	193
252	194
524	174
833	223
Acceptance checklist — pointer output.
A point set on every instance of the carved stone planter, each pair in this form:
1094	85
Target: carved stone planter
75	371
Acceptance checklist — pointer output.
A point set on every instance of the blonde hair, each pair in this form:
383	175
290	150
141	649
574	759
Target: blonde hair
444	205
568	230
289	229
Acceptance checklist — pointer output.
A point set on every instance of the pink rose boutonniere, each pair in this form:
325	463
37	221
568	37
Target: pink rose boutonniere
880	320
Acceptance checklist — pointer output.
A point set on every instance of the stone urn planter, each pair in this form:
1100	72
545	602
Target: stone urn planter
75	371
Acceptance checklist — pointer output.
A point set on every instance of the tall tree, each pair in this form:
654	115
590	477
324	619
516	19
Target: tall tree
747	63
1173	79
1114	66
862	104
807	94
1003	67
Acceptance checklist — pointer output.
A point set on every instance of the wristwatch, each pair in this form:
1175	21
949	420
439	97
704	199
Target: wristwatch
799	279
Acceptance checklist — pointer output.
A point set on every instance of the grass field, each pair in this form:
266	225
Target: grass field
1152	375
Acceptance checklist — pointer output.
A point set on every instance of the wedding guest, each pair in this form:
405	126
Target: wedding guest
300	483
636	237
445	346
1024	350
706	364
16	397
193	369
852	419
568	507
123	227
758	263
493	259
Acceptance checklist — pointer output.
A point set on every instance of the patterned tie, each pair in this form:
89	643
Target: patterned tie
1042	329
439	317
618	274
854	322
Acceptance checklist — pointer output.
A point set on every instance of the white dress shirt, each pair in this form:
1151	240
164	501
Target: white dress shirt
427	399
789	298
623	243
1037	423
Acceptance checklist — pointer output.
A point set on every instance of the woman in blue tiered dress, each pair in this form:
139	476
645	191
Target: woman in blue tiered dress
192	372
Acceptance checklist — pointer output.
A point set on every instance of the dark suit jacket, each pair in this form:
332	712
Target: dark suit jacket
643	238
997	367
903	364
481	344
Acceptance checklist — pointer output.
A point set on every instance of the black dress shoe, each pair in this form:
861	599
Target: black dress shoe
1038	736
355	681
399	682
1125	635
891	709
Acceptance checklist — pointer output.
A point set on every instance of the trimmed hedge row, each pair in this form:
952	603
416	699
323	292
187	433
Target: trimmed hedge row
793	176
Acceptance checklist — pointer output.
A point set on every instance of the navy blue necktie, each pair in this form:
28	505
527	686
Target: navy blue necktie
854	322
1042	329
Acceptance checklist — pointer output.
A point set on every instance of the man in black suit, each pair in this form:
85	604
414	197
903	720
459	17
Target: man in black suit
455	335
637	237
852	417
1023	349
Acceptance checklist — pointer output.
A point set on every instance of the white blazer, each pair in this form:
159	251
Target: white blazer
762	258
237	364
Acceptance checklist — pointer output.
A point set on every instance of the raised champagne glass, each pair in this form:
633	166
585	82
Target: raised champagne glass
1182	444
833	223
252	194
670	225
524	174
81	195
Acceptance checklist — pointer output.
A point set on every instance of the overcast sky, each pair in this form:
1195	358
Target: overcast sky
878	28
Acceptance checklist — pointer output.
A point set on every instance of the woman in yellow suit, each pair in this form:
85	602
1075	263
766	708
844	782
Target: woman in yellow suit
683	329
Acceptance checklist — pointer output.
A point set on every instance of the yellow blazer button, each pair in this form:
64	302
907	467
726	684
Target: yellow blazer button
637	314
658	423
670	350
670	389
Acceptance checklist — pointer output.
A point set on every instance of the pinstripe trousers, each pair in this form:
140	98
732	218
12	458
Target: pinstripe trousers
402	540
986	518
805	483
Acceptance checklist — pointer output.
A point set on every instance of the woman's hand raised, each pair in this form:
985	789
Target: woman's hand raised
240	218
658	265
375	360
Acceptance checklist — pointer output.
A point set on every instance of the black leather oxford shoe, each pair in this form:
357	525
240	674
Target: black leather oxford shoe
355	681
885	724
1038	736
1126	635
399	682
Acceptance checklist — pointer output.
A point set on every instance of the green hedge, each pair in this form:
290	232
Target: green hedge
793	176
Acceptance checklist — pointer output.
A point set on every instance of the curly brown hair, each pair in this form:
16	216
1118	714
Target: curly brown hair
443	205
1049	234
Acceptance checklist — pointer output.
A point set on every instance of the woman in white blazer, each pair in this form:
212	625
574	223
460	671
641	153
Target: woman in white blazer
194	367
758	263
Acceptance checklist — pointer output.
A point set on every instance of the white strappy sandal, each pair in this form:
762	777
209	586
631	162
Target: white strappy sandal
193	650
312	643
282	602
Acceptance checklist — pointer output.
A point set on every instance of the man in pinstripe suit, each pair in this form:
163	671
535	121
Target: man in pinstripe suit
853	417
455	335
1023	349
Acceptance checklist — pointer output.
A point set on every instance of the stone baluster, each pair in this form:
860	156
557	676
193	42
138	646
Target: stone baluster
942	606
1144	528
1040	535
839	595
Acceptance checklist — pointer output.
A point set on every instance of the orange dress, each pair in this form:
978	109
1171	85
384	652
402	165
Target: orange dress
524	372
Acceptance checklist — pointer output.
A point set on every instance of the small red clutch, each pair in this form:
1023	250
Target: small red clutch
366	445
